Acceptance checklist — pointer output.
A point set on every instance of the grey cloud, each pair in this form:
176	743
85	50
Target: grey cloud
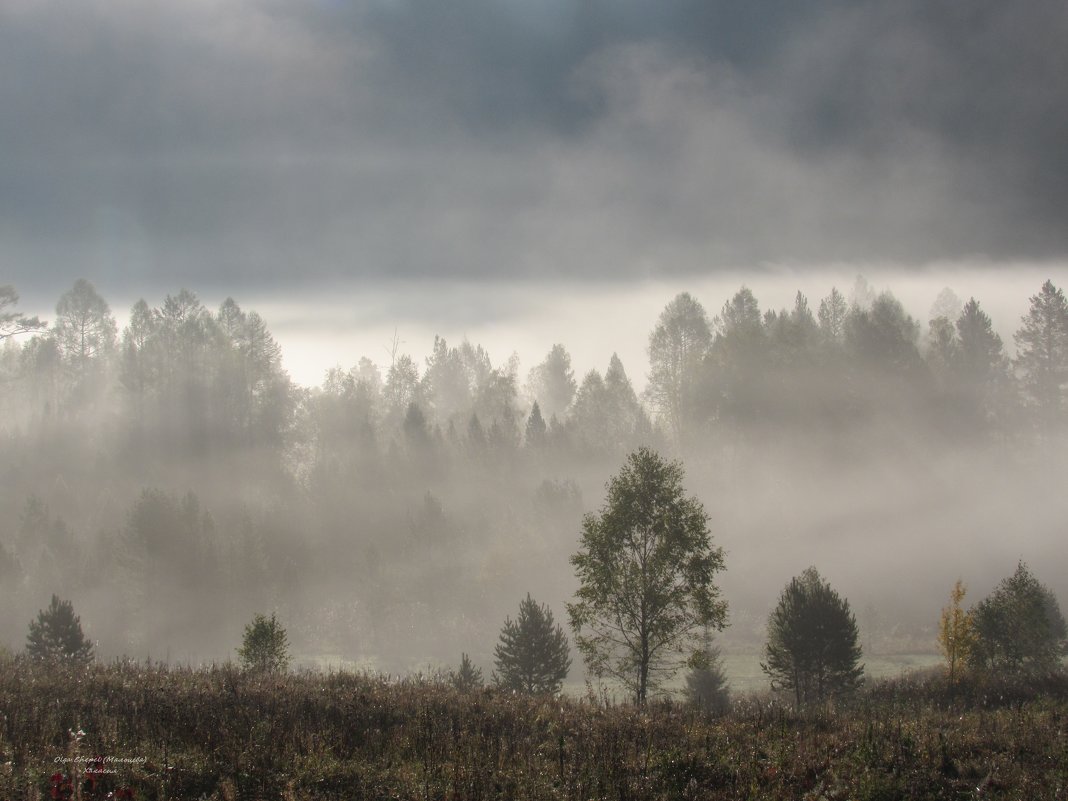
271	143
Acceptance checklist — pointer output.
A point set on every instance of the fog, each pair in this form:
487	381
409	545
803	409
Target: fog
304	270
175	467
319	330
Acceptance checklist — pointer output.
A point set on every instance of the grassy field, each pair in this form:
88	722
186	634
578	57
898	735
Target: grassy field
222	734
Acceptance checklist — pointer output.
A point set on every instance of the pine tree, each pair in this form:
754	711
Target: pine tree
11	322
1042	344
812	644
706	683
535	436
832	316
533	653
56	636
468	677
1019	627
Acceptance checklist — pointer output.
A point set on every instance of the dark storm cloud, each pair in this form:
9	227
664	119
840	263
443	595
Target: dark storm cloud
274	143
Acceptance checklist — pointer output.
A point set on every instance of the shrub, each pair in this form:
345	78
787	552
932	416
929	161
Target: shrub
265	647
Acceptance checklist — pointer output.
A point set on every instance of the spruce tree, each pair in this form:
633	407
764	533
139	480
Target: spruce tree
812	646
56	636
1019	627
532	655
468	677
706	683
1042	345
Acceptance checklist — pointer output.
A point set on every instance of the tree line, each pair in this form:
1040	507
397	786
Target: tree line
187	378
173	471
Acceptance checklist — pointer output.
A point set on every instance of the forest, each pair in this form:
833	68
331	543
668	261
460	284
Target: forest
173	481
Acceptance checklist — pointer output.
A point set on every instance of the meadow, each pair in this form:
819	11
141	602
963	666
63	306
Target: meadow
220	733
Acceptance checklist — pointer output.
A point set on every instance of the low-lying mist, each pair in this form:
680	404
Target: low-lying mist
172	479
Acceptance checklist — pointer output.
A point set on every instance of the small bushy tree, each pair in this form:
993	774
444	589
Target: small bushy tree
533	653
265	647
468	677
56	636
1019	627
812	644
706	683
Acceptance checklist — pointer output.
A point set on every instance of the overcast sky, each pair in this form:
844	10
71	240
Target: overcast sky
269	145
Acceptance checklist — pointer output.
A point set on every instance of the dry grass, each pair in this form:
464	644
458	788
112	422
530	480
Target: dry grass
219	733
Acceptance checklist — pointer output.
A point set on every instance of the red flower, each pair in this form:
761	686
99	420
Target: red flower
62	789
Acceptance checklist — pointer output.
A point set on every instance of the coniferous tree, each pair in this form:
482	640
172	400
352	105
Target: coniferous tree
552	382
532	655
468	677
536	428
56	636
832	316
812	646
84	327
978	363
1019	627
1042	345
11	322
706	683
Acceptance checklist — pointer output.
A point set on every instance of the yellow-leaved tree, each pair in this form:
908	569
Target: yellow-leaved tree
956	632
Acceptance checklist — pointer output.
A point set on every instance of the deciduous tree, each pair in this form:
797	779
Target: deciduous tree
676	347
645	566
956	632
265	647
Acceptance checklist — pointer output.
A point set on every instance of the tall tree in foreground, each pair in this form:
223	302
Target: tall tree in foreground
1019	627
532	655
812	644
56	636
645	566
